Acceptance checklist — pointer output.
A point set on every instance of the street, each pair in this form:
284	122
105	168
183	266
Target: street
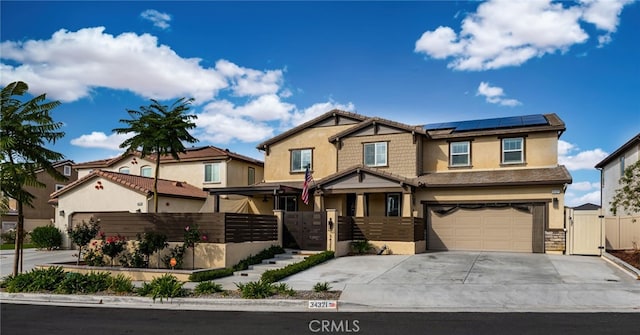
52	320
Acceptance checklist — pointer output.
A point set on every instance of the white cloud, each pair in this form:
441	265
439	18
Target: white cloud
583	160
495	95
318	109
583	186
224	128
70	64
100	140
160	20
573	200
505	33
250	82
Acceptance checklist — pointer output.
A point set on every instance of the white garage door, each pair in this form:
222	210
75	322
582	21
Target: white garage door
486	229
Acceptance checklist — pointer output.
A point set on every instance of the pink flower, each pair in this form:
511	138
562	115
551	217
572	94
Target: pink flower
204	237
186	228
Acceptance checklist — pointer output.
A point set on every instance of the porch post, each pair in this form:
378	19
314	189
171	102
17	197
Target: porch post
332	234
318	201
407	201
360	205
280	218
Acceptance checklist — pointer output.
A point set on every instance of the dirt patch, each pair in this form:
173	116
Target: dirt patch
632	257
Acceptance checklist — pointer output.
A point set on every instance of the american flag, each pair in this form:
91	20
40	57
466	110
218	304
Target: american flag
305	187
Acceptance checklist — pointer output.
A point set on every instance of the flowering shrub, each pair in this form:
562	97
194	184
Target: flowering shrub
83	233
112	246
191	236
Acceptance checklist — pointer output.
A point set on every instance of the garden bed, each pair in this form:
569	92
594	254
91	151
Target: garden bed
631	257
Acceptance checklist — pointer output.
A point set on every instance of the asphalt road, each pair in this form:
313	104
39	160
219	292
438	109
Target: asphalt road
52	320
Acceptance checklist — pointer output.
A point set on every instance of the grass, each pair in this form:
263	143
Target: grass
11	246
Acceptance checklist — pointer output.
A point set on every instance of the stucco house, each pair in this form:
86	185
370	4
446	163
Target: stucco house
492	184
41	214
612	168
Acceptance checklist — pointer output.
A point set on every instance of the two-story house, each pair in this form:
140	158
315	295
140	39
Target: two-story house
491	184
41	213
612	169
125	183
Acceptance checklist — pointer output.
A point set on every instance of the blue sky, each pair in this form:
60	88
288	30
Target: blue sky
259	68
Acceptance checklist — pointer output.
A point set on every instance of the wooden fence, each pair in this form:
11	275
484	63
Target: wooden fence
380	228
622	232
218	227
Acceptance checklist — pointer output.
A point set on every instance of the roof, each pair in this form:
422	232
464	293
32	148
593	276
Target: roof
587	207
373	171
139	184
260	188
190	155
58	164
377	120
317	120
633	141
538	176
523	123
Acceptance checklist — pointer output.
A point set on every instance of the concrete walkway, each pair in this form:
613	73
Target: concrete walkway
33	257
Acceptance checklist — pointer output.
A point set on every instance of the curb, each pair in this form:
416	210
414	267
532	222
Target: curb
631	270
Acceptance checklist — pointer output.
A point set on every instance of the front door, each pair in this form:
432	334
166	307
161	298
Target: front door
305	230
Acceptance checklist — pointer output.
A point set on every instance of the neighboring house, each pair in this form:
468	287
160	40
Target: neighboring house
612	168
491	184
42	213
102	191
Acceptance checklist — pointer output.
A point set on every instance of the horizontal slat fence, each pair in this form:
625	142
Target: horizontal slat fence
380	228
218	227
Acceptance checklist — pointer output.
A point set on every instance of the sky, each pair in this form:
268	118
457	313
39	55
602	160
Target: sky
256	69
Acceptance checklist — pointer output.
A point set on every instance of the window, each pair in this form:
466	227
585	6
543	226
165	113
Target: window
145	171
375	154
67	170
288	203
393	204
621	166
212	173
459	153
300	159
59	187
252	176
512	150
124	169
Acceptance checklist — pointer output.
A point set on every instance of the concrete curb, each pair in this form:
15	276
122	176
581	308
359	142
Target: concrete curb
628	268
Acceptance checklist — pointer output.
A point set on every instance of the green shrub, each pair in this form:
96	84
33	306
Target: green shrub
256	289
284	289
83	233
166	286
46	237
94	258
120	284
273	276
178	254
208	287
361	247
321	287
84	283
37	280
242	265
150	243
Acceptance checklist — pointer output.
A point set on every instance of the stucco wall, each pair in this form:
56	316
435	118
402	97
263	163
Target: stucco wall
485	194
611	177
324	160
177	205
401	153
192	173
541	150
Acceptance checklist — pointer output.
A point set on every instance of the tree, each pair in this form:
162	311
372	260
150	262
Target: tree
159	130
83	233
25	128
627	196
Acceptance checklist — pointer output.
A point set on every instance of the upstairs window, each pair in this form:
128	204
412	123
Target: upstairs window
66	170
301	159
124	169
251	176
212	173
622	167
145	171
459	153
375	154
512	150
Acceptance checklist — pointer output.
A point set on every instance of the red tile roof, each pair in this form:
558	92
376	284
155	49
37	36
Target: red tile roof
140	184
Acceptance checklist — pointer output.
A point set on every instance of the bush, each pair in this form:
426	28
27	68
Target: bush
166	286
83	233
37	280
321	287
178	254
242	265
150	243
361	247
256	289
208	287
273	276
84	283
8	237
46	237
120	284
284	289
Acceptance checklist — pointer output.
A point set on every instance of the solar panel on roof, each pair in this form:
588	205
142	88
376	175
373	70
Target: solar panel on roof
531	120
495	123
513	121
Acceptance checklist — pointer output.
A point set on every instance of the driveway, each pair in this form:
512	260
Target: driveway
476	281
33	257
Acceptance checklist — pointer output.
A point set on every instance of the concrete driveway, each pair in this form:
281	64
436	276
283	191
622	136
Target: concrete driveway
33	257
476	281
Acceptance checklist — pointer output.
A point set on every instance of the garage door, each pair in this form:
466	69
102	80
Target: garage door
490	229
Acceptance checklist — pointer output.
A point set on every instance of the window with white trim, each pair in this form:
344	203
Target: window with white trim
301	159
459	153
124	169
66	170
513	150
212	172
146	171
375	154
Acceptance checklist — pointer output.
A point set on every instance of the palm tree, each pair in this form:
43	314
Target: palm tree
24	129
159	130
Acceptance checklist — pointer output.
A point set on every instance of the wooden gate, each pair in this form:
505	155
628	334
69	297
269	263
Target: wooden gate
586	232
305	230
